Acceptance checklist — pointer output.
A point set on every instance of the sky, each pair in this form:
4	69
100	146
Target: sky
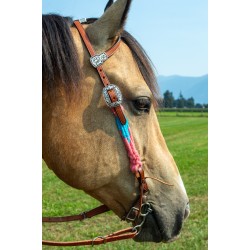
173	32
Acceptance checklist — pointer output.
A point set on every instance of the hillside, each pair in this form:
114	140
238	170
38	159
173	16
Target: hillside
196	87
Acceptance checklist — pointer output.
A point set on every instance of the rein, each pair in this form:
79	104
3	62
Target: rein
113	97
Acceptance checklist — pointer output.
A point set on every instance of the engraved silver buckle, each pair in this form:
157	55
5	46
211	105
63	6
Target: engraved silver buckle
98	60
107	98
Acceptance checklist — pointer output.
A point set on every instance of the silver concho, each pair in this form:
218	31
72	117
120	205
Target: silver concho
98	60
107	98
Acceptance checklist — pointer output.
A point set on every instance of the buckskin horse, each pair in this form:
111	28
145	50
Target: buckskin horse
100	129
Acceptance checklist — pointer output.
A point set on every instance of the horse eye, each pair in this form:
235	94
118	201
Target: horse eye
142	104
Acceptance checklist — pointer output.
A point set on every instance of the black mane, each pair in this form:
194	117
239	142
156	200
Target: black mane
59	56
60	59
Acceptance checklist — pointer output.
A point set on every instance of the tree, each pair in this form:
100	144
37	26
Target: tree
180	101
190	102
168	99
198	106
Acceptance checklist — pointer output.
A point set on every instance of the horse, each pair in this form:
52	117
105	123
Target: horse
80	139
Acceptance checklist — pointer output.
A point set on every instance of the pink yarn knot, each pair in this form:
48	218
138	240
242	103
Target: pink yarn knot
135	167
134	157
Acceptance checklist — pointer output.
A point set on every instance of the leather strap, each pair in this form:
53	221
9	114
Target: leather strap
143	191
118	110
118	235
112	50
90	48
127	233
85	215
102	75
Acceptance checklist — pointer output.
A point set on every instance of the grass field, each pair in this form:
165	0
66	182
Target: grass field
187	140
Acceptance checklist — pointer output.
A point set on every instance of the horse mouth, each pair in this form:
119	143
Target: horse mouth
155	230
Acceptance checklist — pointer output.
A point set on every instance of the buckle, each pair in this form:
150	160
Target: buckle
132	214
98	60
107	98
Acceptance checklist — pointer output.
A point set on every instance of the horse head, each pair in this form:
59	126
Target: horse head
81	142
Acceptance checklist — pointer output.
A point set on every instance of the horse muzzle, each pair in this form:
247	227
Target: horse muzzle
158	227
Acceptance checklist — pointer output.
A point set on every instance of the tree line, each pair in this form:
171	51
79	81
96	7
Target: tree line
170	102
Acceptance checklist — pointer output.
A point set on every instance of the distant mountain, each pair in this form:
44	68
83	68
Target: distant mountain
196	87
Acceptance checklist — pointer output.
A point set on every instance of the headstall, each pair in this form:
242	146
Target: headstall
113	98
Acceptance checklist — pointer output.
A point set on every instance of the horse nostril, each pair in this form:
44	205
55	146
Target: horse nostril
187	211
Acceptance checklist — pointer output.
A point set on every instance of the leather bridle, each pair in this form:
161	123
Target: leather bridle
113	97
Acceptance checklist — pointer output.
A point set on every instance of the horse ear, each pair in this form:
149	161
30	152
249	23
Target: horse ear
110	2
110	24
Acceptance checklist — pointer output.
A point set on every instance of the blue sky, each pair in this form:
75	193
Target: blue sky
173	32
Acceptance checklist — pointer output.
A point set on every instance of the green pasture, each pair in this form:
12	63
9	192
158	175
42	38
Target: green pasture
183	112
187	140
